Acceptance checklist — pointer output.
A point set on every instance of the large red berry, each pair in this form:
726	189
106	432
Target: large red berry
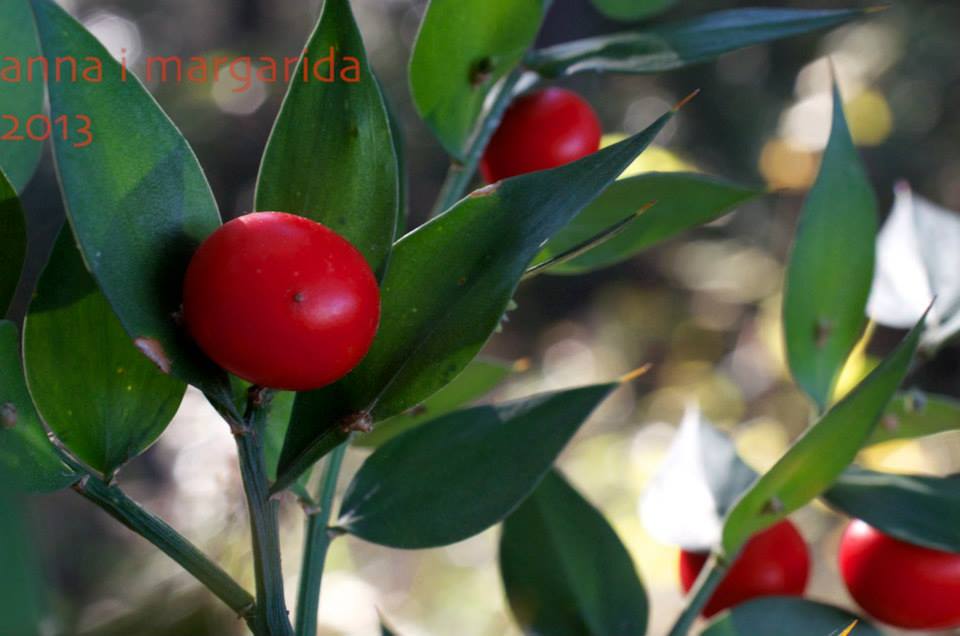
281	301
541	130
774	562
899	583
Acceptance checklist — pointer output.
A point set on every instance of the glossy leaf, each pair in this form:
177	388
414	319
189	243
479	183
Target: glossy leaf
13	242
786	616
136	198
463	49
478	379
703	470
917	414
330	155
28	459
632	9
822	453
680	44
278	421
830	270
449	283
917	262
104	400
21	99
461	473
682	201
565	570
916	509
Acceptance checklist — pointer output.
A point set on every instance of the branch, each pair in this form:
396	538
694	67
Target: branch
316	544
710	577
128	512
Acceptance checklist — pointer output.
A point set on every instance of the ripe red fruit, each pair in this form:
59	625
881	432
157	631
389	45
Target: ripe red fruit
281	301
775	562
541	130
899	583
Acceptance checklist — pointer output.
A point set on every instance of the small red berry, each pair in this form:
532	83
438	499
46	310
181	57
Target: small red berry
899	583
281	301
541	130
774	562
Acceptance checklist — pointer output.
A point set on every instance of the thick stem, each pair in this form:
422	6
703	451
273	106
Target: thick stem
460	174
128	512
264	524
316	544
710	577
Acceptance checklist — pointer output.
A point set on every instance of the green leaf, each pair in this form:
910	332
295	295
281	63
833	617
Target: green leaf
683	43
460	474
330	155
815	460
917	414
28	459
278	421
13	242
463	49
137	200
105	401
917	509
478	379
627	10
565	570
20	99
449	283
831	268
21	590
683	201
786	616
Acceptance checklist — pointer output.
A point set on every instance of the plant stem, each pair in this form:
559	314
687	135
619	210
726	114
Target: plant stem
316	544
264	524
460	174
128	512
710	577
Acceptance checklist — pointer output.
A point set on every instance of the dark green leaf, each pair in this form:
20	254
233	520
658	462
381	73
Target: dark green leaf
463	49
815	460
20	99
627	10
916	414
136	197
330	155
565	570
21	592
449	283
478	379
28	459
683	201
679	44
831	268
459	474
403	178
787	617
105	401
920	510
13	242
278	421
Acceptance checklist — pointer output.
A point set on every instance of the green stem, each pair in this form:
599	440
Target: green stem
460	174
316	544
128	512
264	523
711	576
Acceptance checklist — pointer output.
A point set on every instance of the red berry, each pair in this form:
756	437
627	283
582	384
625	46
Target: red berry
899	583
541	130
775	562
281	301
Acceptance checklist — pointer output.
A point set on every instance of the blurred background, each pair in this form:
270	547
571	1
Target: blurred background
703	309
